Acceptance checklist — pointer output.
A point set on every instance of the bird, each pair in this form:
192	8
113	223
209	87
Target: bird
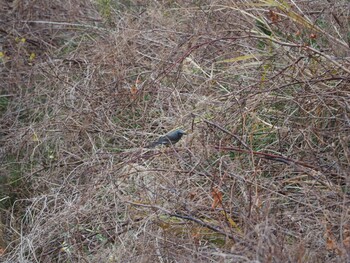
168	139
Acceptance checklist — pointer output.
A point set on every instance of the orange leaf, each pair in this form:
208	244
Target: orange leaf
330	242
217	196
196	235
313	36
192	195
133	91
346	238
330	245
273	16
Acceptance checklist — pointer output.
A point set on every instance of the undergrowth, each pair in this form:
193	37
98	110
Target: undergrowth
262	89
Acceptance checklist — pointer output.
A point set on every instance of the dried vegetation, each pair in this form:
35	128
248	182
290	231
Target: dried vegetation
262	87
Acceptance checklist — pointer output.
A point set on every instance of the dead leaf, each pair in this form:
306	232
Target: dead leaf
192	195
330	240
217	196
346	238
231	222
313	36
133	91
273	16
331	243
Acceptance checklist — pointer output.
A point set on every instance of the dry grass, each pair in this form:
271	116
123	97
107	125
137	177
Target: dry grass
262	89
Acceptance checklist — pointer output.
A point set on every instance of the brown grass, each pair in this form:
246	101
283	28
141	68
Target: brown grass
263	91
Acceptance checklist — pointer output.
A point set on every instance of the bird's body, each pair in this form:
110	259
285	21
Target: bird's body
168	139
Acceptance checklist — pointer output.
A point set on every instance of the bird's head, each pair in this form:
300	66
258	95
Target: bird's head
175	135
181	132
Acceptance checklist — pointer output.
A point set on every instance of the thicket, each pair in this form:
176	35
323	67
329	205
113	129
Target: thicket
261	87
